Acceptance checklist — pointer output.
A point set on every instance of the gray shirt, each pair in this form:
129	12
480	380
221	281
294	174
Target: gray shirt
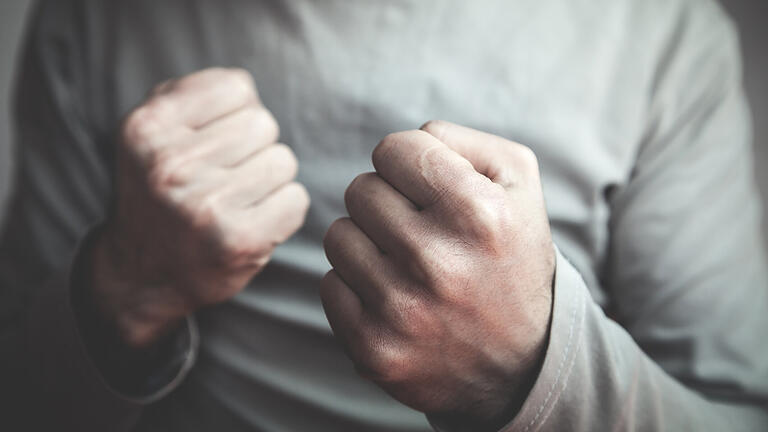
636	113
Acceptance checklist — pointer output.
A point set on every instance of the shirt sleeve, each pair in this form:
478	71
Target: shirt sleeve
62	189
684	348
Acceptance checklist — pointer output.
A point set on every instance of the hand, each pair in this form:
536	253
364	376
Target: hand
441	287
203	195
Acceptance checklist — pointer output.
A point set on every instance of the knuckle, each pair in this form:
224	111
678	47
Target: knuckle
455	287
205	212
240	80
292	215
301	196
240	247
285	160
526	158
141	126
410	315
442	269
334	236
164	170
267	124
357	188
159	159
482	214
161	108
425	261
485	216
236	245
384	364
387	146
435	128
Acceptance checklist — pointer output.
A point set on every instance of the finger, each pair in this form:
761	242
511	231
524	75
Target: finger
358	261
272	221
259	175
501	160
421	167
366	344
342	306
226	142
387	217
202	97
374	352
239	186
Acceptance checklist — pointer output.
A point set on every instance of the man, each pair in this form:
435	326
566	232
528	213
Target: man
153	233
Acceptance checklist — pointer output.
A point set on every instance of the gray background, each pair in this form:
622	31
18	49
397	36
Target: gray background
750	15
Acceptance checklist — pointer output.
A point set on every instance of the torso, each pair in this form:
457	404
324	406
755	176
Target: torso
567	78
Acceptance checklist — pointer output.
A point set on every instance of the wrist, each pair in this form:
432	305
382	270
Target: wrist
133	371
493	415
503	404
133	311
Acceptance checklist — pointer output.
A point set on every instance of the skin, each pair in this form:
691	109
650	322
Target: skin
204	193
441	287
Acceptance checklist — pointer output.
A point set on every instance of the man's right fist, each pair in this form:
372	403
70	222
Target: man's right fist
203	195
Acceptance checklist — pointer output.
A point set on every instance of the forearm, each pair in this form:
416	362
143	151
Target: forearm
144	373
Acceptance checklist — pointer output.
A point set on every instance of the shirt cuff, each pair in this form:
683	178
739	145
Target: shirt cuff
61	367
171	371
565	331
566	334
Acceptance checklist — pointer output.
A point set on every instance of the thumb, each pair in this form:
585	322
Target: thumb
490	155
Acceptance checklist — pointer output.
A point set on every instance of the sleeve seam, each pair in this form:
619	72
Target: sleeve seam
573	334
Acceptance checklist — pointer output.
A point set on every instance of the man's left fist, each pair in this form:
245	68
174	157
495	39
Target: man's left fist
441	287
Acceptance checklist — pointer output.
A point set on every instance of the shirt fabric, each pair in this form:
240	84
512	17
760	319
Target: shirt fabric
634	109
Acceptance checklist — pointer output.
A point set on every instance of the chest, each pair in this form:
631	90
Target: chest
338	76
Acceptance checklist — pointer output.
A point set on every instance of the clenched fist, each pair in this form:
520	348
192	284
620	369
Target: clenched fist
441	287
203	195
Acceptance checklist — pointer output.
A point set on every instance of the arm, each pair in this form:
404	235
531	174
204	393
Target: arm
441	284
686	272
61	190
202	195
